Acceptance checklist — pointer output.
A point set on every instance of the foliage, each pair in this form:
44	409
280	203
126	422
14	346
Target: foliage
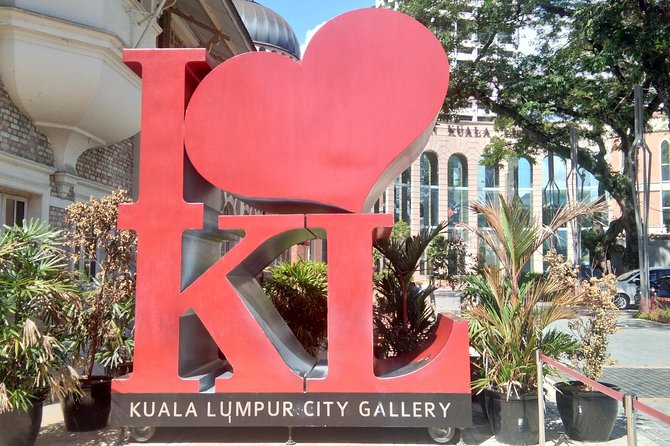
446	258
392	337
594	329
593	240
101	324
578	65
400	231
402	257
510	319
35	290
657	314
299	291
402	317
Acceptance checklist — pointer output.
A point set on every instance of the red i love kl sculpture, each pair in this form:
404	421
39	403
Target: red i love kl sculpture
314	143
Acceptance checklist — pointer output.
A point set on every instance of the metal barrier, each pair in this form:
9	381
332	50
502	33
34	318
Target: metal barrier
630	402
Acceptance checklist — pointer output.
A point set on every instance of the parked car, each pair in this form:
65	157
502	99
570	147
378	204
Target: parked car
660	288
627	285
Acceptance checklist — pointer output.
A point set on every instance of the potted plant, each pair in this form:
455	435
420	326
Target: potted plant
510	318
35	290
588	414
403	318
100	326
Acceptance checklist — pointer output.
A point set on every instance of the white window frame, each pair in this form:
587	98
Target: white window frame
3	210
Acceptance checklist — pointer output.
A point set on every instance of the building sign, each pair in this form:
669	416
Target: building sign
313	143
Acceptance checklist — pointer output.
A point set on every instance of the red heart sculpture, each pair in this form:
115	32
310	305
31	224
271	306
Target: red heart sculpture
328	133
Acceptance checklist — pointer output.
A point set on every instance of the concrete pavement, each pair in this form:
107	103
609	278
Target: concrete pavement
642	349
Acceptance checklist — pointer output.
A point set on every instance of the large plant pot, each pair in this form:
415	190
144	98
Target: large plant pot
513	420
587	415
90	411
481	399
20	427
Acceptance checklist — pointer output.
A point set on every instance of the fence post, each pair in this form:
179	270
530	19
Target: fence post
540	397
631	432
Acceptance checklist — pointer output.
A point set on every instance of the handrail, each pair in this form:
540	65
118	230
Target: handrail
631	403
661	416
589	382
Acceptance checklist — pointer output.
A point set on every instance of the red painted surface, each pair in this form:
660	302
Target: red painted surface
349	118
325	134
444	365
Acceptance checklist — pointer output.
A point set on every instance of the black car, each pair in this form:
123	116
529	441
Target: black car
660	288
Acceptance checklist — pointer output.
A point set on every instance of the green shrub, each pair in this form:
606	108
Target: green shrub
299	292
35	291
657	315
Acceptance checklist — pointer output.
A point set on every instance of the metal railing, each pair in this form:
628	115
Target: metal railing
630	402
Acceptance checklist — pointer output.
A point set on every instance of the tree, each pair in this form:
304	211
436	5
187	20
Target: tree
402	257
446	258
579	70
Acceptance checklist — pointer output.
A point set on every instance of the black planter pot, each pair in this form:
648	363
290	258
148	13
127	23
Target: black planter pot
90	411
20	427
481	398
587	415
120	370
513	420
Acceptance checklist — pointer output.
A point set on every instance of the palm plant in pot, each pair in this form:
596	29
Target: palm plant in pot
35	290
588	414
403	318
100	325
510	319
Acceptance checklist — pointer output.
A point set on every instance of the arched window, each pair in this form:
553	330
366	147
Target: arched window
488	191
665	176
429	211
402	197
588	186
554	194
523	182
488	187
665	160
457	190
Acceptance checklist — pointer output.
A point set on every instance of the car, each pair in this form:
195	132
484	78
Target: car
627	285
660	288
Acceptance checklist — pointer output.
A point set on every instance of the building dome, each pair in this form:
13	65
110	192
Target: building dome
268	30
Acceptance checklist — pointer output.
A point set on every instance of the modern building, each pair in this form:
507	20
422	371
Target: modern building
448	177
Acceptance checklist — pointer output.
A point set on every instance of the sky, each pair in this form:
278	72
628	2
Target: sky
306	16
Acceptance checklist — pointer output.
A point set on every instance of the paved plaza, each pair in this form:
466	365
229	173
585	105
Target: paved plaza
642	369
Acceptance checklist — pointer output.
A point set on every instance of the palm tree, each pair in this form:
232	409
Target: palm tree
403	317
511	319
35	289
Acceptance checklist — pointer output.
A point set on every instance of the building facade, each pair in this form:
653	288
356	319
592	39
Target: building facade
70	108
69	117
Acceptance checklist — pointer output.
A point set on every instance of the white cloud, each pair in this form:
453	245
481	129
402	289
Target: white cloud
308	36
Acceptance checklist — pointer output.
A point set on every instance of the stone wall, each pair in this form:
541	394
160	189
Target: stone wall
57	217
19	136
109	165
